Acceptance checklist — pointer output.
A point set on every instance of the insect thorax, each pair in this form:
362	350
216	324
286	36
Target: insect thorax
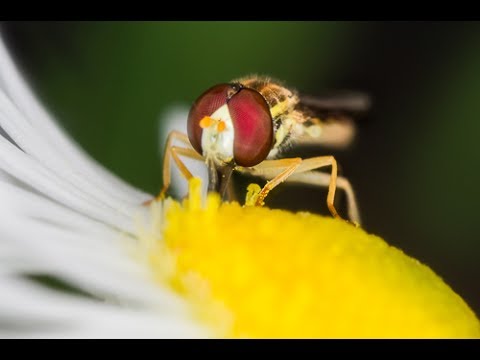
282	103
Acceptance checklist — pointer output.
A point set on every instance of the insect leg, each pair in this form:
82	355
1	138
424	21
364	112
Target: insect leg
319	162
266	167
174	152
318	178
265	170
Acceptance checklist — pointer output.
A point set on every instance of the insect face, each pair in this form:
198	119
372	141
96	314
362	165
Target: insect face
230	122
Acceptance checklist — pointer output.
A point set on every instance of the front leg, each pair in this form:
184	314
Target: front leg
174	152
288	165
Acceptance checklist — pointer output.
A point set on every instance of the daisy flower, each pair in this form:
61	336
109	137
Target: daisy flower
80	256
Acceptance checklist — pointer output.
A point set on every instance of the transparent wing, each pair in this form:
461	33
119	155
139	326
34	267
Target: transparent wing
341	102
336	133
334	117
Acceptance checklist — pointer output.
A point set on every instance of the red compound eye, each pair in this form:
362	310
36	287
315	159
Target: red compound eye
253	126
209	102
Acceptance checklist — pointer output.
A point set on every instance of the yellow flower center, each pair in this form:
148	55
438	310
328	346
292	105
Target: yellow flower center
257	272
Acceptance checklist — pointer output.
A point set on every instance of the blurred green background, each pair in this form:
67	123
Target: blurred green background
415	164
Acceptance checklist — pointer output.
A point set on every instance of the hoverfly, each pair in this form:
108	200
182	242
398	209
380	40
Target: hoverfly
244	125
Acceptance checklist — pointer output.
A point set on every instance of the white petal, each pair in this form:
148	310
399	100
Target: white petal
99	263
26	169
41	313
28	139
19	93
63	215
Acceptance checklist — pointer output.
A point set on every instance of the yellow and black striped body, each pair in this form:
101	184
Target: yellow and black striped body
288	119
